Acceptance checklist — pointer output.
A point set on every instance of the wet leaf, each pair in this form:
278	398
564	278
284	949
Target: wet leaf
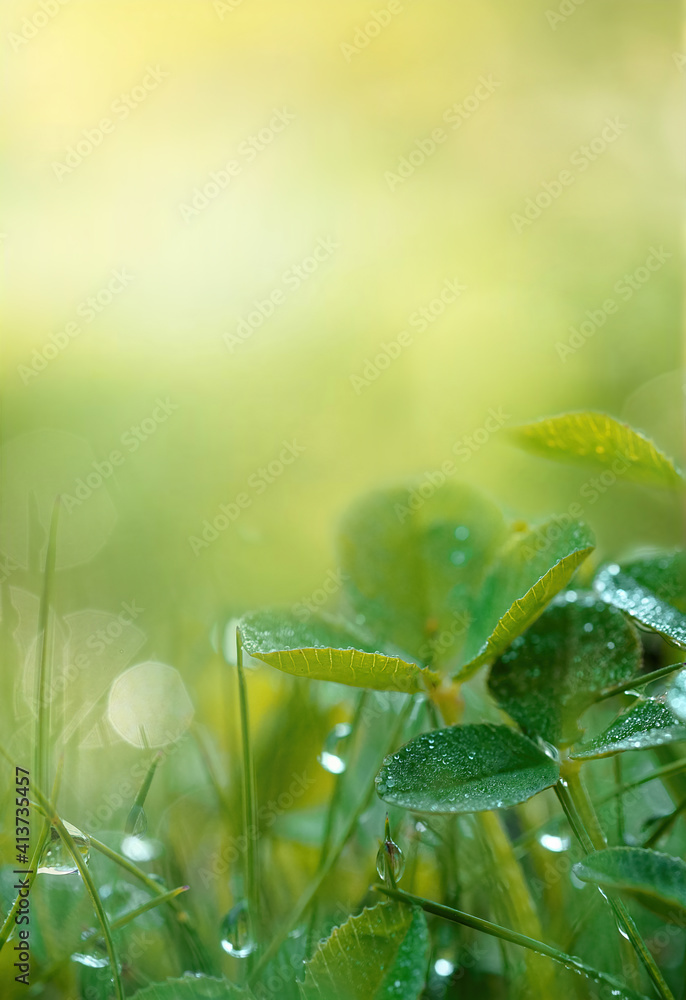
326	649
527	573
551	674
597	439
676	696
412	564
652	591
648	723
192	987
465	769
380	954
657	880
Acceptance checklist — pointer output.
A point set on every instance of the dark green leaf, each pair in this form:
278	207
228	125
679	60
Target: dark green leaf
550	675
380	954
413	564
600	440
653	591
658	880
465	769
192	987
648	723
325	649
527	573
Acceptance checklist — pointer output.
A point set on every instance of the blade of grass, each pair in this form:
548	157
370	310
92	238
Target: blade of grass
571	785
49	811
136	811
250	827
205	960
42	740
316	882
639	680
505	934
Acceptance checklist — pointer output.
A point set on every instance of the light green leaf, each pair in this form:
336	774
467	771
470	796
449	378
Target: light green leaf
552	672
465	769
192	987
327	650
653	591
657	880
600	440
648	723
413	560
380	954
527	573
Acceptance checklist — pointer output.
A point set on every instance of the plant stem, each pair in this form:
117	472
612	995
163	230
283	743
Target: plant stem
42	742
334	801
250	828
206	962
8	923
593	834
504	934
639	680
664	825
314	885
50	813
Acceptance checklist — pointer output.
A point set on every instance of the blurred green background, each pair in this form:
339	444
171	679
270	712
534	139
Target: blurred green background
200	79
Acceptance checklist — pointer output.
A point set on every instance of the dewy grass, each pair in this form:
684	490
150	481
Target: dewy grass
498	721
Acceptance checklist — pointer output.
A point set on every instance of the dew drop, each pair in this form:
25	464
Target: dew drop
331	757
553	843
236	938
443	967
457	557
461	533
56	860
390	861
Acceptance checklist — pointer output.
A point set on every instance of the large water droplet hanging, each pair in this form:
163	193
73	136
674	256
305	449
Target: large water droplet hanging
390	861
331	758
236	937
56	859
